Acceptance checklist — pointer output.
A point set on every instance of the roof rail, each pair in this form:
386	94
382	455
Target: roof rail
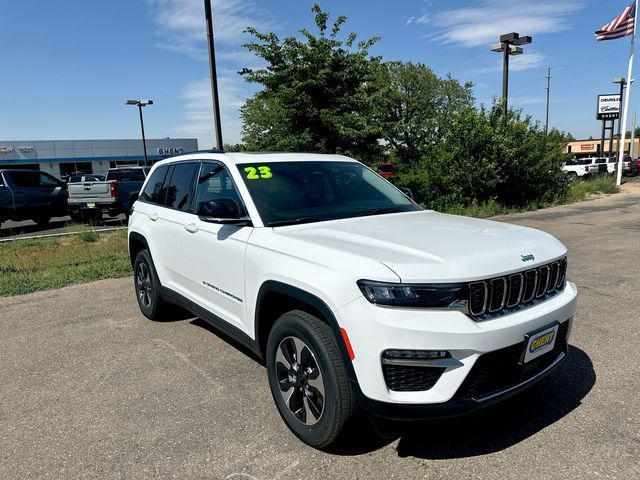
213	150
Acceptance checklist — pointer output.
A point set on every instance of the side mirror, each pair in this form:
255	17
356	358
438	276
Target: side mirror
407	192
223	210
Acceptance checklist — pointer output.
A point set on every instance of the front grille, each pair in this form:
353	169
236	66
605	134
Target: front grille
496	371
490	298
400	378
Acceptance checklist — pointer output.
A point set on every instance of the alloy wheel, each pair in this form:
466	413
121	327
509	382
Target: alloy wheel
144	285
300	380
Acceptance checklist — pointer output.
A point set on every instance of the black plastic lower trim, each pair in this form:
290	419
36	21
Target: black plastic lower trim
452	408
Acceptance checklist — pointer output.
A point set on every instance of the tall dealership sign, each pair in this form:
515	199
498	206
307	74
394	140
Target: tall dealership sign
608	111
608	107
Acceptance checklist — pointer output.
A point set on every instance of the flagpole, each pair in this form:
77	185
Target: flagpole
626	99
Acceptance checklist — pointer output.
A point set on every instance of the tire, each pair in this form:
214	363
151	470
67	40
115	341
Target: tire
147	287
321	402
42	220
76	217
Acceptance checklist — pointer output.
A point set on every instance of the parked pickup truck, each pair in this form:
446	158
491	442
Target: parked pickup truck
581	167
114	196
31	195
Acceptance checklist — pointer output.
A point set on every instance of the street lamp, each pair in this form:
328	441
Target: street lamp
140	104
510	44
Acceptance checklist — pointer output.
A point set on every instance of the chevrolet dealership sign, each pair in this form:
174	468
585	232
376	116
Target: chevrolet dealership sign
608	107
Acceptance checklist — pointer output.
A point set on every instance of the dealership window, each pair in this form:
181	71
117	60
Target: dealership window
75	168
569	149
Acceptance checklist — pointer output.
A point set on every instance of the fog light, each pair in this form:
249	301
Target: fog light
415	354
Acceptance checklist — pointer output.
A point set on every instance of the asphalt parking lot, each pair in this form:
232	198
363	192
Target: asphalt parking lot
91	389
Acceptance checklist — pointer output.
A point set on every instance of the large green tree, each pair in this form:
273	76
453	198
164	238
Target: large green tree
317	94
414	108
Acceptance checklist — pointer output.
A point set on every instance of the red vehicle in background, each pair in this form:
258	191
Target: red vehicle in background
387	170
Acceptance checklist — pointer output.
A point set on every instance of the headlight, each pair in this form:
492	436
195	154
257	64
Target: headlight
443	295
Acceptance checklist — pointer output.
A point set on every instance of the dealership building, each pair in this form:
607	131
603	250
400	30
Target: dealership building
65	157
591	147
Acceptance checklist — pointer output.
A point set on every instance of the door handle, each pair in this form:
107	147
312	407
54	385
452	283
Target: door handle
191	227
153	217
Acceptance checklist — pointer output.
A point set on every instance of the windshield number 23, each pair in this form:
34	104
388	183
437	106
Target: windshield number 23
254	173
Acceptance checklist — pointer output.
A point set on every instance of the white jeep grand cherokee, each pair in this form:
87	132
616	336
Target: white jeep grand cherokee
355	297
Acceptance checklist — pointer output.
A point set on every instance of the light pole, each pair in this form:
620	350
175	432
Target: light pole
140	104
510	44
623	83
214	77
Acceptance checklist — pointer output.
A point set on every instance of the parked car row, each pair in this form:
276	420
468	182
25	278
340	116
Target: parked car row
39	196
582	167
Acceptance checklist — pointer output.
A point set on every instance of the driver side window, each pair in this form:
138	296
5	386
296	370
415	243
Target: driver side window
215	183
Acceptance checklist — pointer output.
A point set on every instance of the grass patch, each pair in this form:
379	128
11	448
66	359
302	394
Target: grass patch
46	263
578	190
582	189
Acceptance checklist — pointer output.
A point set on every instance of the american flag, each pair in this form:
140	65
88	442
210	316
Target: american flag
619	27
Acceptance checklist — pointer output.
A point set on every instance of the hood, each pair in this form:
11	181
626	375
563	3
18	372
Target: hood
429	246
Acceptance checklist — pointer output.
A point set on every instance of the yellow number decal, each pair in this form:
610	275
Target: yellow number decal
256	173
265	172
252	173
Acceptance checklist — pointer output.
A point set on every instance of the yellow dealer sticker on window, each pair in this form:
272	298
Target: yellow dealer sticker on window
256	173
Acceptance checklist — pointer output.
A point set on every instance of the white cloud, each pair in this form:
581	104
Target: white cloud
483	24
519	63
198	117
421	20
181	24
181	29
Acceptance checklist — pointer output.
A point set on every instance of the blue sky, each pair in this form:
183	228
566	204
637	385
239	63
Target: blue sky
66	67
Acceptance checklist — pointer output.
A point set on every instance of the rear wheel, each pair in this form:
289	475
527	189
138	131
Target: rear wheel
147	287
308	379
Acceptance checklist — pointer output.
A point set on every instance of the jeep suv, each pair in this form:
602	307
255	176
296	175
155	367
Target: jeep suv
357	299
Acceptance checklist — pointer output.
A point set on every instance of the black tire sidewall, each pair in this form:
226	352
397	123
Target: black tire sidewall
150	312
324	432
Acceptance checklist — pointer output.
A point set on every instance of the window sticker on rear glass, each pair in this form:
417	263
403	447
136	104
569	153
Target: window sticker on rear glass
256	173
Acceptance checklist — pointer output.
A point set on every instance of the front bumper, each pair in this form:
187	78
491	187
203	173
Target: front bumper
372	330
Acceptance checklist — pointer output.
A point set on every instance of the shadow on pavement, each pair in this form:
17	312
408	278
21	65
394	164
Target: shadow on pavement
486	431
508	423
198	322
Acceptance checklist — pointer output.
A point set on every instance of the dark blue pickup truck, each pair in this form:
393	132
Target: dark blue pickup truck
31	195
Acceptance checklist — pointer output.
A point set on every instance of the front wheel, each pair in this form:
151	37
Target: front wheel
308	379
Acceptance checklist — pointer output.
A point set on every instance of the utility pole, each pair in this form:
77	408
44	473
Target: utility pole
214	77
548	77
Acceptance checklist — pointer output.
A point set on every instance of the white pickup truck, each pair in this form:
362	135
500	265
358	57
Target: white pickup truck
116	195
582	167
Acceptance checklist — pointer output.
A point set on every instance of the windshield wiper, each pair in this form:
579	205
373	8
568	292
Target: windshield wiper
297	221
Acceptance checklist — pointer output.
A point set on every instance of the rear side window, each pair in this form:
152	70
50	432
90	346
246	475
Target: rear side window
180	187
153	191
33	179
74	179
25	179
133	175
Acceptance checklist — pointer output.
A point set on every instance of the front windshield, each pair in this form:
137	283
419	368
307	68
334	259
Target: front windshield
287	193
